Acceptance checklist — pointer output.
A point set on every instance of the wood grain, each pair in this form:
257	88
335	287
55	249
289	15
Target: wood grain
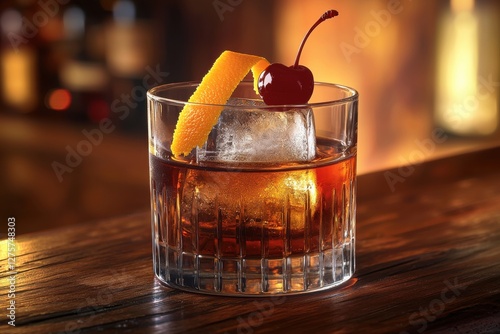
428	260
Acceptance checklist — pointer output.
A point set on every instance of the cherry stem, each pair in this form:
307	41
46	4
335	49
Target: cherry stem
327	15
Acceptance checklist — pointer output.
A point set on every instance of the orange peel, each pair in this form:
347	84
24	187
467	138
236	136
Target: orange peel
204	107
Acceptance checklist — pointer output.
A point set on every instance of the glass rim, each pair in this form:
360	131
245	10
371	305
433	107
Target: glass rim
152	94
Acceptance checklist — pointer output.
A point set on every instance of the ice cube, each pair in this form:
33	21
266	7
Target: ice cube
259	135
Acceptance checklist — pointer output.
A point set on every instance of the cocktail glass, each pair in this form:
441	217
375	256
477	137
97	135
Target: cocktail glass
267	205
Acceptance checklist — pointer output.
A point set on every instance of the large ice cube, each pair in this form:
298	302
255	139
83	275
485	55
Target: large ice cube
252	135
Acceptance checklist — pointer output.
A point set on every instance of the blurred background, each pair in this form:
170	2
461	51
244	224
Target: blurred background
73	77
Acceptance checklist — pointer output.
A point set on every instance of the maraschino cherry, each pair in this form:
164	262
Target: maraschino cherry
281	85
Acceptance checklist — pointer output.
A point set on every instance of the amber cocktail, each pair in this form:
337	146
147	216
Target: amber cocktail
267	205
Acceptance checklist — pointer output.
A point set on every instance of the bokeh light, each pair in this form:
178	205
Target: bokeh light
59	99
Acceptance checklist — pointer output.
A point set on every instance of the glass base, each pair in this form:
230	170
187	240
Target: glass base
254	277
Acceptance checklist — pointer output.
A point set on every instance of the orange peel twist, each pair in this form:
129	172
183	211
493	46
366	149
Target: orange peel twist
204	107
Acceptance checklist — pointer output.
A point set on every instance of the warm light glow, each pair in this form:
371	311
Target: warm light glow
463	106
128	48
59	99
460	67
83	76
462	5
18	79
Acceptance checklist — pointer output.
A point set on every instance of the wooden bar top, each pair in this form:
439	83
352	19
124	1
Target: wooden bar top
428	260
